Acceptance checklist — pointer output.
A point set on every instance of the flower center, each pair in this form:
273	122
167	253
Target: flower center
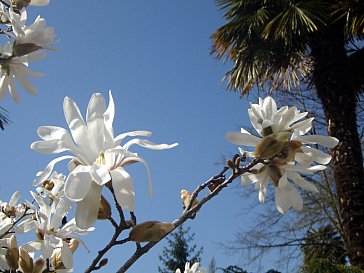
101	159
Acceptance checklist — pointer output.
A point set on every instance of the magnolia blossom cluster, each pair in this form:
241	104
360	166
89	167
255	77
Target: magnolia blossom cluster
284	151
55	239
25	44
97	160
193	269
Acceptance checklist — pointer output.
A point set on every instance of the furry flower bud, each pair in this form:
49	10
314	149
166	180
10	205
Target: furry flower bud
150	231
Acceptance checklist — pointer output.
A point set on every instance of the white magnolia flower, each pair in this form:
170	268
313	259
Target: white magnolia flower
281	145
30	38
192	269
52	235
12	68
98	157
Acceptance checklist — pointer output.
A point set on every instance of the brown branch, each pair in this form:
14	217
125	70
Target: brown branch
189	212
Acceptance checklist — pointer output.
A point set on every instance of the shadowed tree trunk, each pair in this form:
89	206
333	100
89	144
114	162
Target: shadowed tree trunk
334	84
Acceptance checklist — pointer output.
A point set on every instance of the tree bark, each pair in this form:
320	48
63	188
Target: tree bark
337	91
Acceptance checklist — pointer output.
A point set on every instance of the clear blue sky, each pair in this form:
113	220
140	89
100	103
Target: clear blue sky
154	56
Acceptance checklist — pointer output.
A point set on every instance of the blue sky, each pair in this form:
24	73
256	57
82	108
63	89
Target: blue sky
154	56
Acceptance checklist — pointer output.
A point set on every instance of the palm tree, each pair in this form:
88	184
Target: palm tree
280	44
3	118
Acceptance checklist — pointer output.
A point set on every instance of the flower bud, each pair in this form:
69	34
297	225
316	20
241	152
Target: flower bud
151	231
24	49
73	245
48	185
25	261
103	262
268	147
237	162
230	164
21	3
57	260
104	210
39	265
12	253
186	199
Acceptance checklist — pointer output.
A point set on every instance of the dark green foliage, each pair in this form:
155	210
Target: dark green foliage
233	269
324	243
3	118
179	251
325	266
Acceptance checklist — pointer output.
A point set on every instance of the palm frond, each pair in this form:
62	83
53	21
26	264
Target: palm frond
3	118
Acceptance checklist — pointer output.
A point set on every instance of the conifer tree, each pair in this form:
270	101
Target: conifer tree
180	250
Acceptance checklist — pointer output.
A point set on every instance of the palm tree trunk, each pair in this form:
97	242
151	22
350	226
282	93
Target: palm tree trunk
333	81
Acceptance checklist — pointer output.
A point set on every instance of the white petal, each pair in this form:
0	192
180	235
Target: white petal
124	189
66	256
108	120
281	200
53	146
269	106
100	174
263	187
14	198
304	123
48	170
317	155
46	249
148	144
95	120
286	119
87	209
78	183
242	139
295	198
325	141
78	129
121	137
305	169
62	208
194	267
300	181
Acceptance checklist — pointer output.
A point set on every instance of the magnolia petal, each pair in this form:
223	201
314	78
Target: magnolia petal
66	256
46	249
12	91
14	198
301	182
242	139
305	169
53	146
78	183
42	176
304	123
263	187
148	144
141	160
194	267
87	209
286	119
108	121
283	181
78	128
124	189
270	106
294	197
95	120
100	174
120	138
282	202
317	155
325	141
63	205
